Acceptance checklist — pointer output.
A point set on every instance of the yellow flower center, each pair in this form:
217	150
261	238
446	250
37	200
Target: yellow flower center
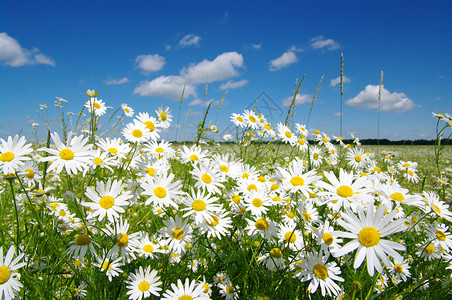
297	181
369	236
436	208
163	116
206	288
414	220
306	216
267	127
113	150
345	191
150	171
440	235
194	157
178	234
320	271
137	133
123	240
78	263
301	142
262	224
430	249
214	222
276	198
325	140
327	238
5	274
143	286
317	131
83	240
229	289
98	160
274	187
126	110
288	134
252	119
411	173
276	253
148	248
290	236
316	156
159	150
7	156
398	268
160	192
406	165
358	158
262	179
224	168
236	199
198	205
96	105
29	173
66	154
397	196
245	175
106	265
252	187
149	125
240	119
257	202
106	202
206	178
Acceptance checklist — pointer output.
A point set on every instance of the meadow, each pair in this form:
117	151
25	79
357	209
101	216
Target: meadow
95	212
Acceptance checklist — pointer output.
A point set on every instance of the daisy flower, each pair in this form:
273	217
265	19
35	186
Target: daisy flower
162	189
96	105
136	132
201	206
149	247
110	264
12	153
429	252
400	269
188	290
229	291
228	166
261	226
218	227
315	267
257	202
125	243
114	147
179	233
343	191
164	116
294	179
30	171
288	235
251	119
238	120
151	124
194	154
357	159
73	157
440	208
441	238
108	199
160	149
128	111
366	231
207	177
273	260
301	129
327	238
316	156
9	283
286	135
80	246
143	283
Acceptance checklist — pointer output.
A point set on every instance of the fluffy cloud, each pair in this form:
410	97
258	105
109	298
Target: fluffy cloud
116	81
204	103
319	43
337	80
12	54
189	40
165	86
221	68
368	99
286	59
150	63
299	99
233	84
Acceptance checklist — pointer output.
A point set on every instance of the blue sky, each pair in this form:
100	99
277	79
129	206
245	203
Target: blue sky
143	52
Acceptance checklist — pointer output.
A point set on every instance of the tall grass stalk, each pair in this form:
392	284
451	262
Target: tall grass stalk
313	100
292	104
378	121
180	108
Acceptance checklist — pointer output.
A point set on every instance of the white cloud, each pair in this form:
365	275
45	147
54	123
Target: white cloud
233	84
150	63
256	46
221	68
189	40
165	86
116	81
337	80
299	99
286	59
319	42
295	49
168	47
368	99
204	103
12	54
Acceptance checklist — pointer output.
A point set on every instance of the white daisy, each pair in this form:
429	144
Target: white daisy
162	189
9	283
188	290
136	132
151	124
179	233
12	153
143	283
96	105
200	206
207	177
164	116
128	111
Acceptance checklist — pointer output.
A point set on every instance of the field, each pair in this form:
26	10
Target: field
133	217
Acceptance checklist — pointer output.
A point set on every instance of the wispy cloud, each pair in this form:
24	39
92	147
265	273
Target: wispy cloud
189	40
337	80
233	84
319	42
165	86
12	54
116	81
286	59
299	99
368	99
150	63
221	68
256	46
